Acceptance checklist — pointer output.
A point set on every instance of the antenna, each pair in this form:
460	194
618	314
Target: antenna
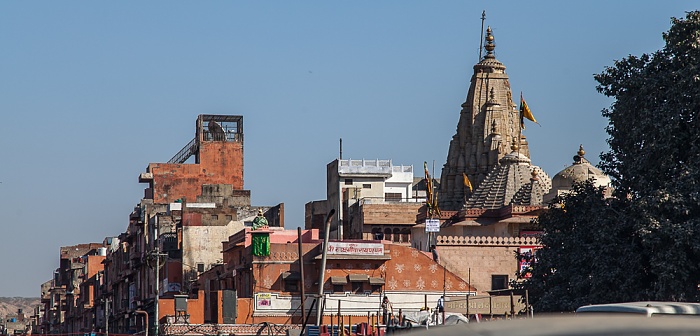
481	38
341	148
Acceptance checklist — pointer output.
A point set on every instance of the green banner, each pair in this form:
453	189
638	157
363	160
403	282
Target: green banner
261	244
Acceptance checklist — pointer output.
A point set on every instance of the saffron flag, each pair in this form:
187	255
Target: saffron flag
467	184
525	112
428	185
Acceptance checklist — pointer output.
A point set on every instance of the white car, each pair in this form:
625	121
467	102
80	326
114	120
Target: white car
647	308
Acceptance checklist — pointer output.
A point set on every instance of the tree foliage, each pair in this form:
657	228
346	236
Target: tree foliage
590	253
644	243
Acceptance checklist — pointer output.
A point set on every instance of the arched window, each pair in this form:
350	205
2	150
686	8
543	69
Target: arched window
406	235
387	234
377	234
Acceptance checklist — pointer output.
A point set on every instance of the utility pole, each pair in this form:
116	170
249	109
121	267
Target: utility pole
155	321
158	255
301	275
106	316
319	313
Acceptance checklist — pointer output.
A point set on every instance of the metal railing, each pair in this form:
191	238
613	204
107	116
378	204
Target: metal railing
186	152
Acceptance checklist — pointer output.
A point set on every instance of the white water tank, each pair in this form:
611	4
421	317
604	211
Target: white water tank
102	251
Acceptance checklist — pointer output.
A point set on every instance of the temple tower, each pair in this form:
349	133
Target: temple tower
488	124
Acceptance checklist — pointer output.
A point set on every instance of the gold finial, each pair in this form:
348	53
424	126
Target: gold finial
534	175
490	46
580	152
514	146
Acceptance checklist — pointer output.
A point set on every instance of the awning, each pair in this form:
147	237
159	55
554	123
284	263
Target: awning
291	276
358	277
376	281
338	280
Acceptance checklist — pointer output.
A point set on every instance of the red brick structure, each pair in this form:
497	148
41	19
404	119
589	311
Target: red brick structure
218	152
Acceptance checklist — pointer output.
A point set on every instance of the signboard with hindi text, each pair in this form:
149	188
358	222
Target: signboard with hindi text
355	248
484	304
432	225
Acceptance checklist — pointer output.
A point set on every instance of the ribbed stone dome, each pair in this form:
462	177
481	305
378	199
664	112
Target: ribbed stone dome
581	170
514	181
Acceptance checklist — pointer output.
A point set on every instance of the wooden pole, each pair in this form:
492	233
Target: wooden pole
369	324
512	305
444	290
527	304
341	332
467	306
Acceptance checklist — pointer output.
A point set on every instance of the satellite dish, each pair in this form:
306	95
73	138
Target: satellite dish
217	132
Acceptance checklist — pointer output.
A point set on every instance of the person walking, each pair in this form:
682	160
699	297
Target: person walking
387	310
441	309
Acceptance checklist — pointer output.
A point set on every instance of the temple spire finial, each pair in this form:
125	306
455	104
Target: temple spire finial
490	46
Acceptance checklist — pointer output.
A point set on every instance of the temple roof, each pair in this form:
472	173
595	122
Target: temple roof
513	181
581	170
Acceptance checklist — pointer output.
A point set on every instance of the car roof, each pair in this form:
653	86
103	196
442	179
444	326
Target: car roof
572	325
644	307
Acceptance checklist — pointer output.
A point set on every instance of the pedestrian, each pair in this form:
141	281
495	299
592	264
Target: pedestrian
441	304
387	310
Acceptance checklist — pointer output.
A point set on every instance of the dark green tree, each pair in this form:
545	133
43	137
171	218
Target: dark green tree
590	253
643	244
654	157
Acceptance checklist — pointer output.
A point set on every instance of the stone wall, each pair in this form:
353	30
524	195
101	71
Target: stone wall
482	261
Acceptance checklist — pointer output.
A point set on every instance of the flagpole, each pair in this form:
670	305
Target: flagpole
520	129
481	38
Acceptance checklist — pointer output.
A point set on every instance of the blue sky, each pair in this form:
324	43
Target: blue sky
91	92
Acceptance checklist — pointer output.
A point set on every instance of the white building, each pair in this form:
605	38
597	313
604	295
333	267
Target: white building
352	183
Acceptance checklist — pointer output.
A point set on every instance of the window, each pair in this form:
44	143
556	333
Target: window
214	217
291	285
357	287
348	181
229	217
290	281
499	282
338	289
366	186
393	196
200	267
376	289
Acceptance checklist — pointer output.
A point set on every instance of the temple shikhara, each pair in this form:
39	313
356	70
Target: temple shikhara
489	124
490	191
